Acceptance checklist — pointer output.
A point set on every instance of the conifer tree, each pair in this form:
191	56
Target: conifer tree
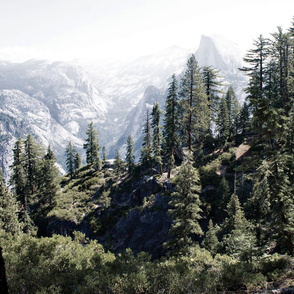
212	83
157	137
195	105
70	153
130	155
170	129
118	162
146	151
223	121
211	242
233	110
9	210
50	178
33	156
104	156
186	210
92	146
258	205
239	241
244	118
18	178
77	161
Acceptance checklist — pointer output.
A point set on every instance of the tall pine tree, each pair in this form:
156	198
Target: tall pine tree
194	103
130	155
186	211
170	129
92	146
157	136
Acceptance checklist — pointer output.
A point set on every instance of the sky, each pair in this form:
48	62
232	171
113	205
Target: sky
127	29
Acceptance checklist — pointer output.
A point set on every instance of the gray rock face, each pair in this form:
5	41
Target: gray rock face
225	56
146	225
54	101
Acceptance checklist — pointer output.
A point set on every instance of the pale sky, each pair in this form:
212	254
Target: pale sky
126	29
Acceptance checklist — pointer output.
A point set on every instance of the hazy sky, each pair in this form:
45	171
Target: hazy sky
67	29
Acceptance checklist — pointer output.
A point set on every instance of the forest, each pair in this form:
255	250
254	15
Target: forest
217	175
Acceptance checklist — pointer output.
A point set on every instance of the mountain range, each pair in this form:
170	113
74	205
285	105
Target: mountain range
55	101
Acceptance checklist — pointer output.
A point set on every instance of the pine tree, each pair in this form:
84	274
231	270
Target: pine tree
233	111
282	202
170	129
195	105
118	162
223	121
244	118
77	161
104	156
18	178
186	210
146	151
9	210
130	156
258	205
239	241
211	242
212	83
157	137
70	153
33	156
92	146
50	178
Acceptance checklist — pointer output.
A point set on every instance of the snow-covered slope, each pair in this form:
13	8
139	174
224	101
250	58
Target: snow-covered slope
52	101
55	101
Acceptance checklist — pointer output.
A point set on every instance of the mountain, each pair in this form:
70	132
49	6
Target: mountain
225	56
155	72
54	101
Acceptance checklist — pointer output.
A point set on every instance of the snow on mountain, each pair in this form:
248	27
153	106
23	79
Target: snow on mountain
126	84
55	101
52	101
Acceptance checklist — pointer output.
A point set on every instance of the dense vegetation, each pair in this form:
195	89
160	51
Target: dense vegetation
225	172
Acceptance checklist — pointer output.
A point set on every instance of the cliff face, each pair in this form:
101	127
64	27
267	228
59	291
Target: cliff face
225	56
135	217
52	101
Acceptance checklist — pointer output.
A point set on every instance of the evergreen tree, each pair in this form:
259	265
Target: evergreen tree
104	156
258	205
146	151
18	178
212	83
244	118
9	210
50	178
224	195
77	161
118	162
70	153
156	146
195	105
239	241
185	210
210	241
223	121
130	155
92	146
33	156
170	129
233	110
